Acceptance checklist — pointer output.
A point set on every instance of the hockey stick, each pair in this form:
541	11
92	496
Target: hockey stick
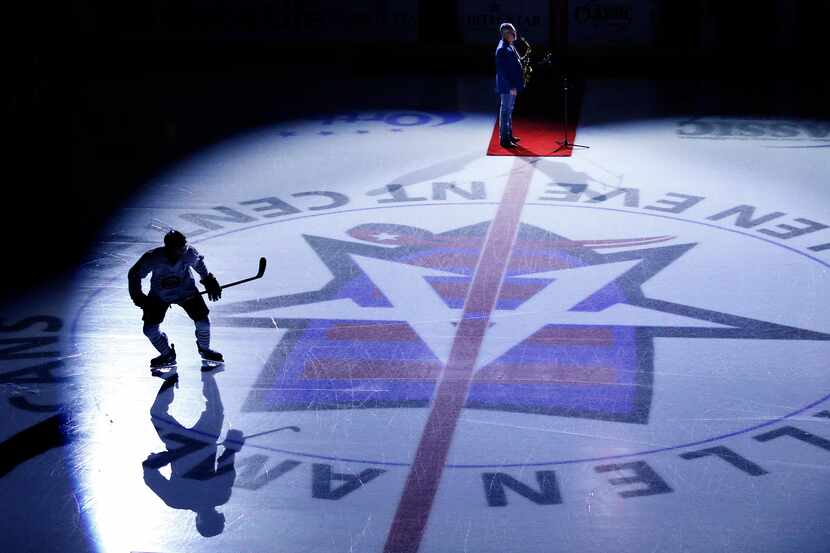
292	428
259	273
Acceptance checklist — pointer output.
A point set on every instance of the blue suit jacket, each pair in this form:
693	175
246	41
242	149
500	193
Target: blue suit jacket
508	69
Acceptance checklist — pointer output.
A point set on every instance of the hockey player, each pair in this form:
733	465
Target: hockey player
172	282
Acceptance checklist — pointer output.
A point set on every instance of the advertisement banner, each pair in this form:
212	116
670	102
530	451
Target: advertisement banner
479	20
606	24
359	21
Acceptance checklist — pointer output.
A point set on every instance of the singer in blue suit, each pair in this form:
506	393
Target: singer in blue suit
509	82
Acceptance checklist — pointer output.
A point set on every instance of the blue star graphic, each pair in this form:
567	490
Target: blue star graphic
619	307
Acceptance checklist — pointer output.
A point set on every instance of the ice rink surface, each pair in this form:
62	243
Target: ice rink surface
625	350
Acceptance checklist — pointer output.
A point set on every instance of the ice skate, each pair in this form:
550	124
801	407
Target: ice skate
210	358
166	360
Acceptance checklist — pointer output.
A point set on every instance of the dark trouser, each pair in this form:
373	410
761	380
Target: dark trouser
155	310
508	102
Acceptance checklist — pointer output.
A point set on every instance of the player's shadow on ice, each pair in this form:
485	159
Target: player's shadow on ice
198	481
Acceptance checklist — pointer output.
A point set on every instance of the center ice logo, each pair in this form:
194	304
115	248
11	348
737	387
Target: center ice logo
572	332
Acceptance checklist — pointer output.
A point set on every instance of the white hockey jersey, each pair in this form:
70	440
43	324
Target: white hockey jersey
170	282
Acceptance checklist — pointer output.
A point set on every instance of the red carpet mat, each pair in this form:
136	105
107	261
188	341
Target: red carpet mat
538	136
540	114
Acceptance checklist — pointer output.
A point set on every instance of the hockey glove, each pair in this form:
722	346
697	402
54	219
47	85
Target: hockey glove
214	291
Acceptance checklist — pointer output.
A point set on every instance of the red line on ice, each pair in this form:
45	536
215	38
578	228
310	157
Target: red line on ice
411	517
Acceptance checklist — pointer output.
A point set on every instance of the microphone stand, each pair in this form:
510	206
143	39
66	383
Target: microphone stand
564	144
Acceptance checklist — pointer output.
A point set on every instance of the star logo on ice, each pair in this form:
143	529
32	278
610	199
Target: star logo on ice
572	331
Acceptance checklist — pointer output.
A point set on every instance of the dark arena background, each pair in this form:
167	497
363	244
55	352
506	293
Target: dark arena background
611	335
